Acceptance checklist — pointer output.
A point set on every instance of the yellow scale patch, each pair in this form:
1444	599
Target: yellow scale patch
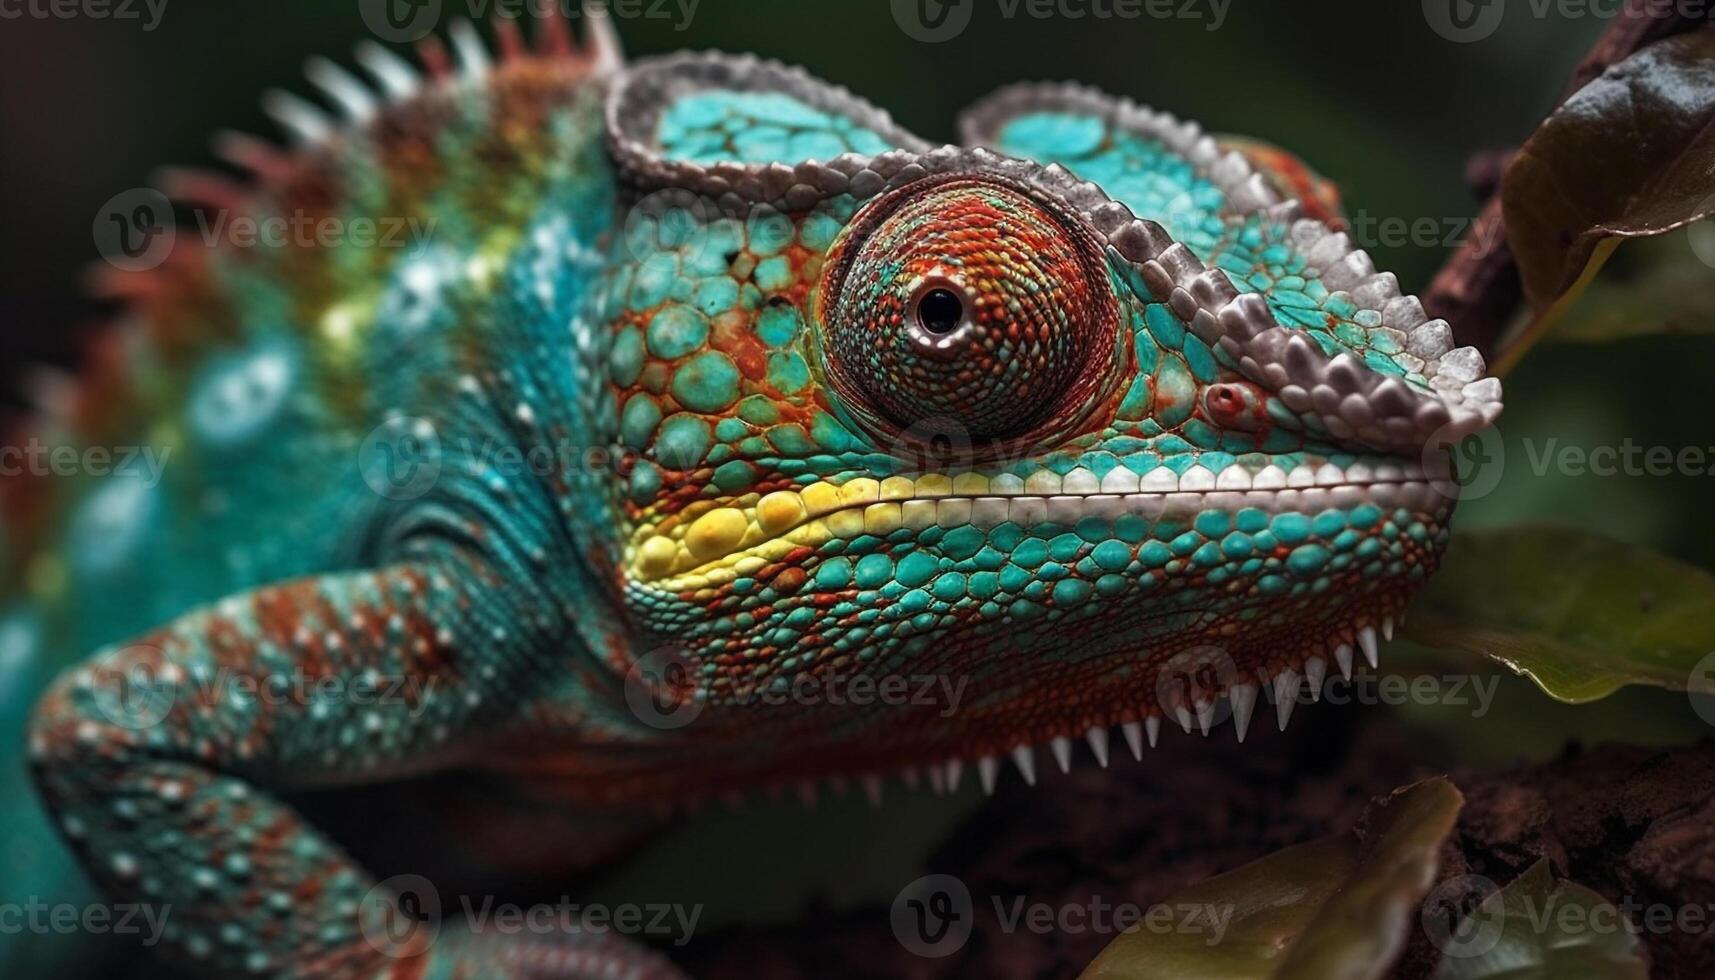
711	543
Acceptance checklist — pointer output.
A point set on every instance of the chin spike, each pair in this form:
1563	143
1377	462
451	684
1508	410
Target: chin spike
1343	657
1205	716
955	771
872	789
987	770
1315	670
1243	697
1152	725
1098	739
1133	733
1061	747
1287	684
1387	628
1184	717
1026	762
1367	642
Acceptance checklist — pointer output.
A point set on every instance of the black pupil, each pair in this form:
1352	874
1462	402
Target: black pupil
940	311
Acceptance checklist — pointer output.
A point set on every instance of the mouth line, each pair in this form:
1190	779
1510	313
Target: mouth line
726	543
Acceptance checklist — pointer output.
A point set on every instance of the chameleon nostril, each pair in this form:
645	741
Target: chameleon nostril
1226	403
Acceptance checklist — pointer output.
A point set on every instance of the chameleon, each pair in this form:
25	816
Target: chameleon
707	385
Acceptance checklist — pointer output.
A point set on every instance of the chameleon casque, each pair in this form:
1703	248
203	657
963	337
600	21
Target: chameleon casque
716	359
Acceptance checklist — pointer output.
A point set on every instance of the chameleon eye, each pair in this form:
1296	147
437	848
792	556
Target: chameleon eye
966	300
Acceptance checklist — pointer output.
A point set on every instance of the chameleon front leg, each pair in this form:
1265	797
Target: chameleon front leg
166	787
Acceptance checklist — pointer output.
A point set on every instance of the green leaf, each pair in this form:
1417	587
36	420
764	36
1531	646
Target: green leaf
1627	156
1667	287
1333	909
1537	929
1579	614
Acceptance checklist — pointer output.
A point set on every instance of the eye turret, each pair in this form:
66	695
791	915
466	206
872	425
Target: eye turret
966	299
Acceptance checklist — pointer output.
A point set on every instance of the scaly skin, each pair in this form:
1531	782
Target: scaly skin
710	384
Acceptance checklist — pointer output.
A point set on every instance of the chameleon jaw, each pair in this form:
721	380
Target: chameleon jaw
714	545
975	752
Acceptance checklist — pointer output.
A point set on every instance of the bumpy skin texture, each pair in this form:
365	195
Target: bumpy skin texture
666	387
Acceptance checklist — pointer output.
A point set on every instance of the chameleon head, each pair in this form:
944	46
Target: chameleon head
1054	455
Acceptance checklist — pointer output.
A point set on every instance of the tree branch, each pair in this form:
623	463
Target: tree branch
1478	289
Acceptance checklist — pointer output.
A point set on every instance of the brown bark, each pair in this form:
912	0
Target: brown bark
1630	823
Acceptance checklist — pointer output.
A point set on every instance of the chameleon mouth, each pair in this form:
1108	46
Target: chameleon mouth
962	758
1281	689
715	544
